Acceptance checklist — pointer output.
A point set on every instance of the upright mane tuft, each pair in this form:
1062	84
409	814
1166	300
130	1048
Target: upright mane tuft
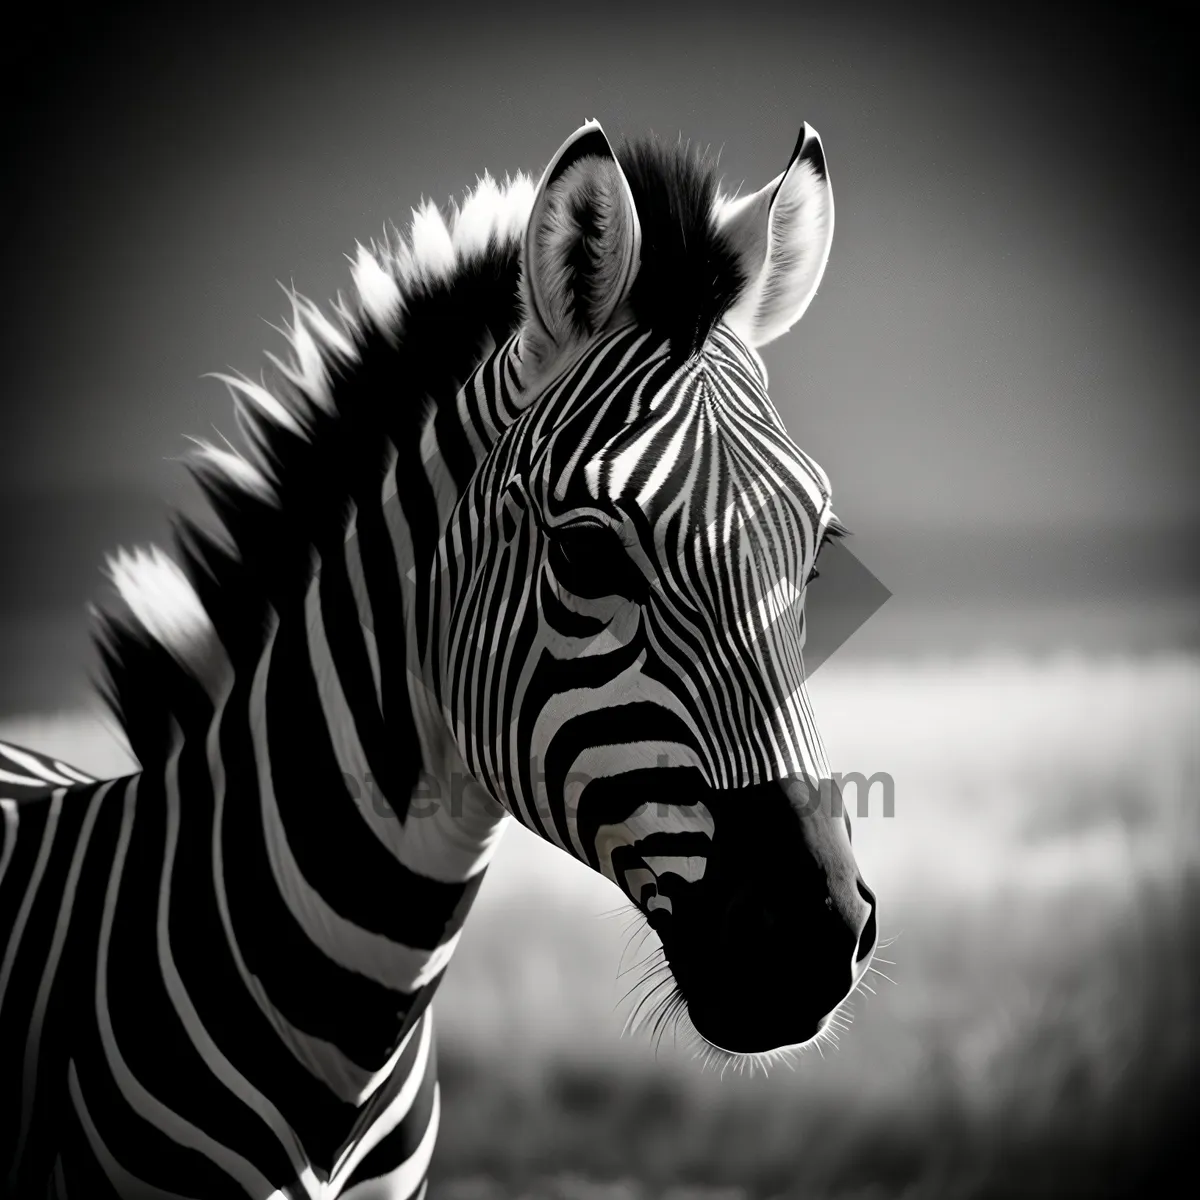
689	274
352	395
317	439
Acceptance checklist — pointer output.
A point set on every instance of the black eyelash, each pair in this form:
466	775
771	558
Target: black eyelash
833	531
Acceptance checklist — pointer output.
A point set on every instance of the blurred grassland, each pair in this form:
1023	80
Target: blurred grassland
1040	878
1041	881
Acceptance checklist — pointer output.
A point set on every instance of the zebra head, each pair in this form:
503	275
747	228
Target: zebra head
621	584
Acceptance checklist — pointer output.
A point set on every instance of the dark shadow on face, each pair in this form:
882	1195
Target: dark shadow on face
780	928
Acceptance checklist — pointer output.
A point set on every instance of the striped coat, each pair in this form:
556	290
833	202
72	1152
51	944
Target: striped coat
516	533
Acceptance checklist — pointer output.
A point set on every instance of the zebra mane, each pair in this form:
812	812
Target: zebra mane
352	395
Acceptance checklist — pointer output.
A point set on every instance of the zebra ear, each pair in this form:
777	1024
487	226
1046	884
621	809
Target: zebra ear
582	244
782	236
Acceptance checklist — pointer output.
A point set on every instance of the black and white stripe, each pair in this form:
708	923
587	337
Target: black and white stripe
570	590
558	701
210	1000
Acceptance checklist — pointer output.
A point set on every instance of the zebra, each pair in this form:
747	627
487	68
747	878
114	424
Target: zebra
515	531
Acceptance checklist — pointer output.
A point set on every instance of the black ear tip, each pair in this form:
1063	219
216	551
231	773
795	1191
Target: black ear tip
809	150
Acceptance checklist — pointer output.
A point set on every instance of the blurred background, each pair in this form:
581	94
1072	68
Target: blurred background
998	374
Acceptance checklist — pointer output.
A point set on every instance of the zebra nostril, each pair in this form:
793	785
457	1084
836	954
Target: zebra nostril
868	935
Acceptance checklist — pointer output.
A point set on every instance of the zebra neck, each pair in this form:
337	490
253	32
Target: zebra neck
431	539
342	899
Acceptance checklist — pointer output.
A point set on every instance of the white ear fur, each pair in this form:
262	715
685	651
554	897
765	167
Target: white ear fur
582	244
781	236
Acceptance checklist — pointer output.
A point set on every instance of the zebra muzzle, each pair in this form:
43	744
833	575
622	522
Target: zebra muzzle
780	928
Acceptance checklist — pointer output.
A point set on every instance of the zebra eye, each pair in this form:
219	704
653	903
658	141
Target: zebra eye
589	560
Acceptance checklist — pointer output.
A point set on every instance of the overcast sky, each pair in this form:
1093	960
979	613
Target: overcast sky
1004	340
